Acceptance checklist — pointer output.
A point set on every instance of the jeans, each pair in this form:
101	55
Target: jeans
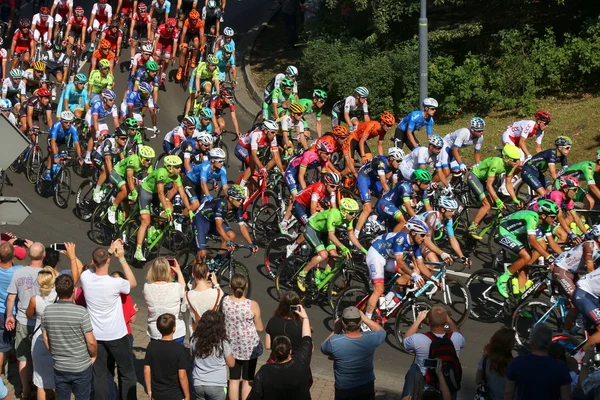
120	350
78	383
210	392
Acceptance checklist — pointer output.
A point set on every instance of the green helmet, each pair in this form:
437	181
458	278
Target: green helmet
131	123
152	66
236	192
422	175
212	59
547	207
286	83
320	94
171	161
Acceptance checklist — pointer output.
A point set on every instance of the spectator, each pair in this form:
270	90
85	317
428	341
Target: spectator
288	9
242	322
285	322
103	299
7	269
310	8
166	364
67	333
164	296
288	377
52	257
537	375
212	355
20	252
43	364
497	355
23	286
352	353
205	295
557	351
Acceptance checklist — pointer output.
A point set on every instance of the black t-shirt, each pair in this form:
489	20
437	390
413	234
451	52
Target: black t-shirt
292	328
166	358
287	380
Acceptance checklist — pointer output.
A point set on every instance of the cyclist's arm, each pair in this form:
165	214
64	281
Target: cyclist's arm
277	158
119	5
301	173
552	171
489	185
455	245
29	116
578	221
108	162
588	255
54	147
236	126
383	181
354	241
456	154
441	176
347	118
408	206
333	239
178	7
183	195
220	229
401	264
256	159
160	191
477	156
594	189
552	243
132	27
431	246
523	146
245	233
186	164
509	184
536	246
130	179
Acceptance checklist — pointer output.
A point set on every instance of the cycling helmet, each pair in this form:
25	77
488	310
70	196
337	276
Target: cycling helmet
205	113
58	48
226	91
80	78
448	203
321	94
477	124
348	206
217	153
543	116
387	118
595	230
16	73
236	192
44	11
511	151
291	71
598	155
362	91
547	207
172	161
145	88
205	138
212	4
563	141
39	66
79	11
270	125
228	48
416	224
108	94
152	66
324	146
121	132
43	92
421	175
131	123
188	121
114	24
212	59
340	131
171	22
1	42
286	83
5	104
147	48
25	23
396	153
104	44
436	141
297	108
228	32
430	102
332	179
104	63
568	182
67	116
146	152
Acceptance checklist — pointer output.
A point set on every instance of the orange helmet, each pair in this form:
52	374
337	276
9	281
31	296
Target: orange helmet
340	131
105	44
387	118
194	14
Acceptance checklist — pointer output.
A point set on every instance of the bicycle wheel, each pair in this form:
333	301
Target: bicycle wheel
225	273
267	197
41	185
353	296
33	164
287	274
15	166
62	190
84	204
523	191
186	259
487	304
129	236
493	248
407	315
530	313
265	224
456	298
275	254
102	231
342	280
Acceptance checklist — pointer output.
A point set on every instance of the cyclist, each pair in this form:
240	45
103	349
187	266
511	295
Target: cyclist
75	97
545	161
184	7
249	145
141	59
203	121
306	203
195	181
4	57
57	64
23	43
387	253
76	30
103	107
140	29
35	106
278	101
323	225
310	159
193	32
103	53
123	177
148	75
292	120
586	300
211	15
13	88
367	130
291	73
124	10
464	137
347	110
35	77
202	79
137	102
522	233
585	171
211	220
159	12
165	42
194	150
61	132
489	171
403	198
423	157
315	105
217	103
7	111
41	26
373	177
100	79
225	38
155	183
101	14
518	132
64	11
415	120
114	36
179	134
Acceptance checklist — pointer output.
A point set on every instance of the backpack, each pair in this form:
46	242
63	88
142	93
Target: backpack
443	349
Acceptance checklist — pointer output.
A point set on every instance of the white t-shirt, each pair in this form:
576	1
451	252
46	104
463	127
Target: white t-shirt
161	299
419	344
103	299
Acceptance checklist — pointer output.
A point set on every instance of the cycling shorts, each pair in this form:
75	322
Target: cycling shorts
366	185
379	265
387	210
22	49
513	243
476	186
203	228
447	160
190	188
164	46
588	306
534	178
401	139
299	211
145	200
192	84
116	179
565	280
167	146
140	32
315	239
354	147
290	178
242	153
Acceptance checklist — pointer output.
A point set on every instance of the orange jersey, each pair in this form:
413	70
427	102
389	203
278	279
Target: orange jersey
199	26
99	56
370	129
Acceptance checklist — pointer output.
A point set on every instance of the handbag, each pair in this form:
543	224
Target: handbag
197	317
482	392
257	350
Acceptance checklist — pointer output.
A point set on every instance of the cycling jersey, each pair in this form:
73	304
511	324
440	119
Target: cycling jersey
256	140
216	102
97	82
22	40
395	244
525	129
77	26
132	161
368	177
30	80
157	8
315	192
205	73
224	61
368	129
217	209
141	75
402	191
76	99
211	13
349	105
328	220
417	158
202	128
163	34
58	133
287	124
583	170
98	55
189	148
275	83
3	54
135	100
63	7
492	166
53	63
435	222
204	173
160	175
141	22
112	37
278	96
36	104
193	29
97	108
310	108
559	198
573	260
521	224
375	168
175	136
10	90
40	24
415	121
590	283
541	160
462	138
103	12
309	159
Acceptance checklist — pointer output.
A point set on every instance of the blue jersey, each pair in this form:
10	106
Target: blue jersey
395	244
223	61
415	121
134	98
98	108
75	98
204	173
141	75
208	128
60	134
217	209
400	192
377	167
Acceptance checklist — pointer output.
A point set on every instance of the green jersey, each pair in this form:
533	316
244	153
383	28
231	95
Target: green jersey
328	220
583	171
98	83
159	176
310	108
492	166
132	162
205	73
523	223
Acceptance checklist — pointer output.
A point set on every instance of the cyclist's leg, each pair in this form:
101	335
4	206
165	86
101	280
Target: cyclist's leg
201	229
364	185
189	188
376	263
511	243
589	307
119	183
533	179
145	199
477	188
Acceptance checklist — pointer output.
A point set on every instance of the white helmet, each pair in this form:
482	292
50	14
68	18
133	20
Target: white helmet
436	140
205	138
448	203
217	153
228	31
595	230
430	102
416	224
5	104
67	116
291	71
147	48
270	125
396	153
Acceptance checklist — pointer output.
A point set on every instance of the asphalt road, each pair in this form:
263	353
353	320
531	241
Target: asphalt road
49	224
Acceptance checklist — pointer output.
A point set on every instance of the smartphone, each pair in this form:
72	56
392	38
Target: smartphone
58	247
171	265
431	363
19	242
295	307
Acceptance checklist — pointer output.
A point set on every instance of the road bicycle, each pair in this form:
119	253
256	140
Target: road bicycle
186	71
30	159
60	184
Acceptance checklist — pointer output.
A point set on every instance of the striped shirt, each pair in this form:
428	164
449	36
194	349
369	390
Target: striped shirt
66	325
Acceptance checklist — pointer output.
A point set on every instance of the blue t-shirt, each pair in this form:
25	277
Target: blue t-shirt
538	377
415	121
353	358
5	278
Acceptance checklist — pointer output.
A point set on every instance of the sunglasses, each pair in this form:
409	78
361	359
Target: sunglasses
566	147
333	187
421	234
297	114
67	122
351	213
433	108
220	161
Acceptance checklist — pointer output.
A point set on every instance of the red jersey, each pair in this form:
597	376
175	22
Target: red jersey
163	34
315	192
215	101
22	40
78	25
103	12
141	21
62	7
112	37
256	140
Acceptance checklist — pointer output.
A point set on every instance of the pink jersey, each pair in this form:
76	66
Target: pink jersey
559	198
258	140
308	159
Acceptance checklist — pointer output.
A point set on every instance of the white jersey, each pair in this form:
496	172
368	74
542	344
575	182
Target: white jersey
278	79
176	132
37	21
573	260
287	124
519	129
52	62
104	13
350	105
8	85
415	159
462	138
109	147
590	283
258	140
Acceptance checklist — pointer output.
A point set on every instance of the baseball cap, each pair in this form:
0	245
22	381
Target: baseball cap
351	313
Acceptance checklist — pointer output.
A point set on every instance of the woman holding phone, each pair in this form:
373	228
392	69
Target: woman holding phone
205	294
163	295
285	322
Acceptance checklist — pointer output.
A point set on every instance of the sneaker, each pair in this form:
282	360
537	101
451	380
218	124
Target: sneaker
289	249
112	214
364	327
97	196
502	283
139	255
47	176
301	281
179	72
474	232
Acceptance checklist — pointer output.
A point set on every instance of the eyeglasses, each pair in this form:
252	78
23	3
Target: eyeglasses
297	114
432	108
67	122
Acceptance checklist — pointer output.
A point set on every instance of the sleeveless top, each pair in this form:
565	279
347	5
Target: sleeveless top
239	324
